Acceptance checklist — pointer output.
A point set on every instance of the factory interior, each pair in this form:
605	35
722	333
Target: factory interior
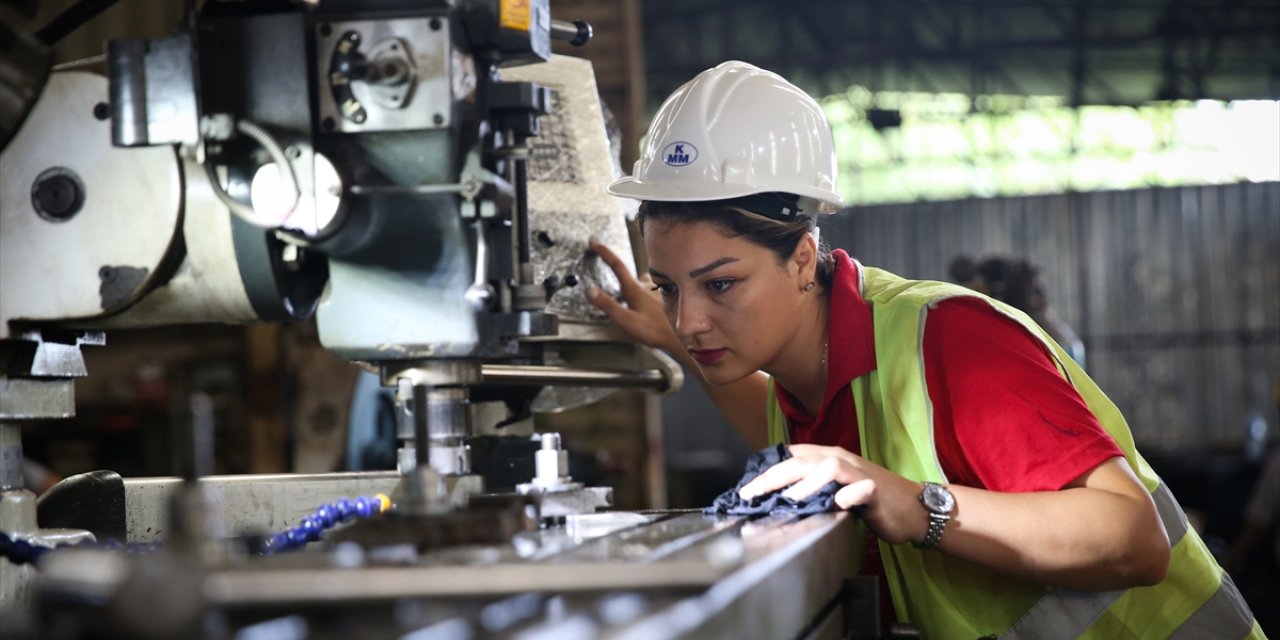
300	333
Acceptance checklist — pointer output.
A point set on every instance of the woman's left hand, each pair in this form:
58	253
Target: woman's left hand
1106	532
890	502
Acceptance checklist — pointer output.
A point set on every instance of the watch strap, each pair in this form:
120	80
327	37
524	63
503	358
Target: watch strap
937	522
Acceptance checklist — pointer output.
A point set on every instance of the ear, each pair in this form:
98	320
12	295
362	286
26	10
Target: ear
804	259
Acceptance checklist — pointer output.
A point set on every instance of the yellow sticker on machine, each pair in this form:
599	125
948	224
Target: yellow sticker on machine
514	14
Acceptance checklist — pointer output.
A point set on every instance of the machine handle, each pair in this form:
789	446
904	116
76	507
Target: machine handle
576	33
653	379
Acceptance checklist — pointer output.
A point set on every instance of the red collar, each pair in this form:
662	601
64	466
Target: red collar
851	337
851	341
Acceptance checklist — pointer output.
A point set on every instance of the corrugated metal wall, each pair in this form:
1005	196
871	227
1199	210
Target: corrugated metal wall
1175	292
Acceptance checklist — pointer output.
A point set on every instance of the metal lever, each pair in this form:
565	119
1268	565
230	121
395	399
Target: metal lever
515	374
479	294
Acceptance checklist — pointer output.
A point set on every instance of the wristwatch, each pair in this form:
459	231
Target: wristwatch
939	503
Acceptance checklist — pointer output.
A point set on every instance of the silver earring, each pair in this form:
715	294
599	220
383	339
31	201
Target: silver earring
808	287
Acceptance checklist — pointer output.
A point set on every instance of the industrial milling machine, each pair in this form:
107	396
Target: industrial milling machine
424	178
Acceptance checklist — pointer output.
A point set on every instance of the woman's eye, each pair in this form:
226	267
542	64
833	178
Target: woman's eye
720	286
667	290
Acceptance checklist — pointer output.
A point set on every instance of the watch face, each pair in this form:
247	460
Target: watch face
937	499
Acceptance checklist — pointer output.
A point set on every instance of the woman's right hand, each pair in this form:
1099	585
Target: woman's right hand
642	319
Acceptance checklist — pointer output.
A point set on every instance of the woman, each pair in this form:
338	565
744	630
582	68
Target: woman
1001	485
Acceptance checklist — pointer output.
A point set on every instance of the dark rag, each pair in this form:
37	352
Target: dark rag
728	503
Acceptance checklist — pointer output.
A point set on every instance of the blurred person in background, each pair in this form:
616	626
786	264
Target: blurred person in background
1017	282
1255	554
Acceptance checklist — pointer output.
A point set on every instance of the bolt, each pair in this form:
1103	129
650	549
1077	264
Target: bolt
434	24
326	29
438	119
550	441
101	111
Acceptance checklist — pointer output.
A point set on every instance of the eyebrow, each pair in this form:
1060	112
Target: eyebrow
699	271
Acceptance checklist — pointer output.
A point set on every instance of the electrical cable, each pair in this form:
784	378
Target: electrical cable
284	167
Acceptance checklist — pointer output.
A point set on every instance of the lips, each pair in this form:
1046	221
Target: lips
707	356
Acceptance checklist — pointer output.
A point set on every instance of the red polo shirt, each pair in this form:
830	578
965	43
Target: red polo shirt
1004	419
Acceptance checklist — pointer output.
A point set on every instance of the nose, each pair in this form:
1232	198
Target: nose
690	318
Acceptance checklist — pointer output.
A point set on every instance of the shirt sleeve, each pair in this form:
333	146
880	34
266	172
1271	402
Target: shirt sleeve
1005	419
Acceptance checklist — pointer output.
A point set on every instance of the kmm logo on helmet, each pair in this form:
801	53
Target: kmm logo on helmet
679	154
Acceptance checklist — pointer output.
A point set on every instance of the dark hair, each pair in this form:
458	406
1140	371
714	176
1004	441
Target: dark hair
777	236
1013	280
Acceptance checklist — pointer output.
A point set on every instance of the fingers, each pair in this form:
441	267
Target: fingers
596	296
604	302
783	474
820	451
805	475
641	317
629	285
802	450
860	492
826	471
643	327
610	258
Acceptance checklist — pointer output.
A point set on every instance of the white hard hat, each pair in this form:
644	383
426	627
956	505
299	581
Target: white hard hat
736	130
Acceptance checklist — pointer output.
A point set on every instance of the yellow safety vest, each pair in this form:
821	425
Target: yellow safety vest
950	598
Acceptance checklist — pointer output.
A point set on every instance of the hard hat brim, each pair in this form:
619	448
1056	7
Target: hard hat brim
678	191
690	191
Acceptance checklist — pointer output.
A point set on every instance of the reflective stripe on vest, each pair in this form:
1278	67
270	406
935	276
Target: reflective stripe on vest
1222	616
1064	613
1067	613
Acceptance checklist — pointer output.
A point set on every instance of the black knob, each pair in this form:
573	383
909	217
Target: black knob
584	33
57	194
